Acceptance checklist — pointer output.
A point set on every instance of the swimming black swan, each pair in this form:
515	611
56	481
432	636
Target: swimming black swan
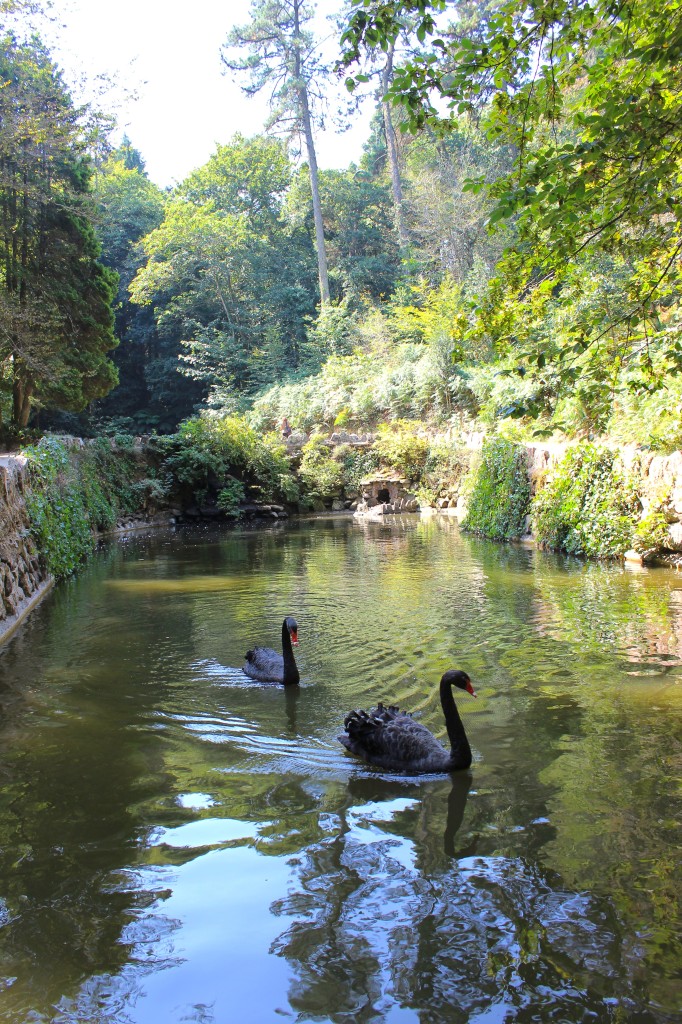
267	666
390	738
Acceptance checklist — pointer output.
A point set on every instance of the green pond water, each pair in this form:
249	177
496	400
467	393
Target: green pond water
181	844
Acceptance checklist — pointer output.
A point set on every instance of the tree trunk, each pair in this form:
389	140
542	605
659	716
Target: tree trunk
392	148
317	205
312	163
21	399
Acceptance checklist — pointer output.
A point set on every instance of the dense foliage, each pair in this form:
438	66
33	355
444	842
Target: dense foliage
500	494
513	252
130	206
589	505
321	474
209	453
400	447
589	96
229	281
56	319
75	493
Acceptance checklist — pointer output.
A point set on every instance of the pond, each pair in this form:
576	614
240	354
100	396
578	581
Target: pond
182	844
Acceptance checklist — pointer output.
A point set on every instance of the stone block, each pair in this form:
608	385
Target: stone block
675	535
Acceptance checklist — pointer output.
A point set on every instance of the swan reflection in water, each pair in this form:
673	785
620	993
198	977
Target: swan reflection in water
291	698
381	919
457	801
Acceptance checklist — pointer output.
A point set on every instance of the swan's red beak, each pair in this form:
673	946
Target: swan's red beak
294	636
470	689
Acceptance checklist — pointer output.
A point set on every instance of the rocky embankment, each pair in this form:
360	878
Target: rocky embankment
23	579
659	485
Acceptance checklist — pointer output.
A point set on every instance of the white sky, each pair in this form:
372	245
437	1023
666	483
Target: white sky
168	52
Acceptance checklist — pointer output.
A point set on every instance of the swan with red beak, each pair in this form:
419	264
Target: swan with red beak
390	738
267	666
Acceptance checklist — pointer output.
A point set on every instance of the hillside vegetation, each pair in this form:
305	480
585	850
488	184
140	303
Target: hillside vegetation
505	258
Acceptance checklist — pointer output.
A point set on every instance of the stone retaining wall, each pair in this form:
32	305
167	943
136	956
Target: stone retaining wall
660	486
23	580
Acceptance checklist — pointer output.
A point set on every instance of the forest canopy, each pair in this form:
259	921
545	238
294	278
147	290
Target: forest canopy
589	95
508	245
56	316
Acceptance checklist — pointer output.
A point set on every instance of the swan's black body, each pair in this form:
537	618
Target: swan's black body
267	666
390	738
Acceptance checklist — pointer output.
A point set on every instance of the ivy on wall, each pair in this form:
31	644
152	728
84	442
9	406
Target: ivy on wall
74	493
589	505
499	500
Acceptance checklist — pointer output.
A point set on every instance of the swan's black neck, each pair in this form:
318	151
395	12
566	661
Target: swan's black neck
291	675
460	751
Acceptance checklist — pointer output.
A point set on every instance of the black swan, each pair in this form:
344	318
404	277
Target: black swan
390	738
267	666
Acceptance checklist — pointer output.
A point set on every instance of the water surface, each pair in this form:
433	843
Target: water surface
181	844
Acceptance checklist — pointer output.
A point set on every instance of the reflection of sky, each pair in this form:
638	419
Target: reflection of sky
195	801
204	832
365	827
220	903
484	938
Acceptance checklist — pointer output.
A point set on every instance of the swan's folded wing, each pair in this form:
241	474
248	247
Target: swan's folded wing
264	664
386	734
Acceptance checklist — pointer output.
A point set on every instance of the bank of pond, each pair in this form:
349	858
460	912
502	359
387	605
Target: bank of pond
592	500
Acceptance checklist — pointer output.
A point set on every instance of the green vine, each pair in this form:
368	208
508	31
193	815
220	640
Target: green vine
589	505
500	494
73	494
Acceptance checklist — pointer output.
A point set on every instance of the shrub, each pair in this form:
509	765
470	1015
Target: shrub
319	471
356	464
445	467
652	533
230	497
654	419
400	447
500	491
589	505
208	451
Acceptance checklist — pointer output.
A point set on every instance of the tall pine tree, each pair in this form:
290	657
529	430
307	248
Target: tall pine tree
282	55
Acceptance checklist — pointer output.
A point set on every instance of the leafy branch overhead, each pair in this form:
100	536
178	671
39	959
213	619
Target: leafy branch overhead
590	96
